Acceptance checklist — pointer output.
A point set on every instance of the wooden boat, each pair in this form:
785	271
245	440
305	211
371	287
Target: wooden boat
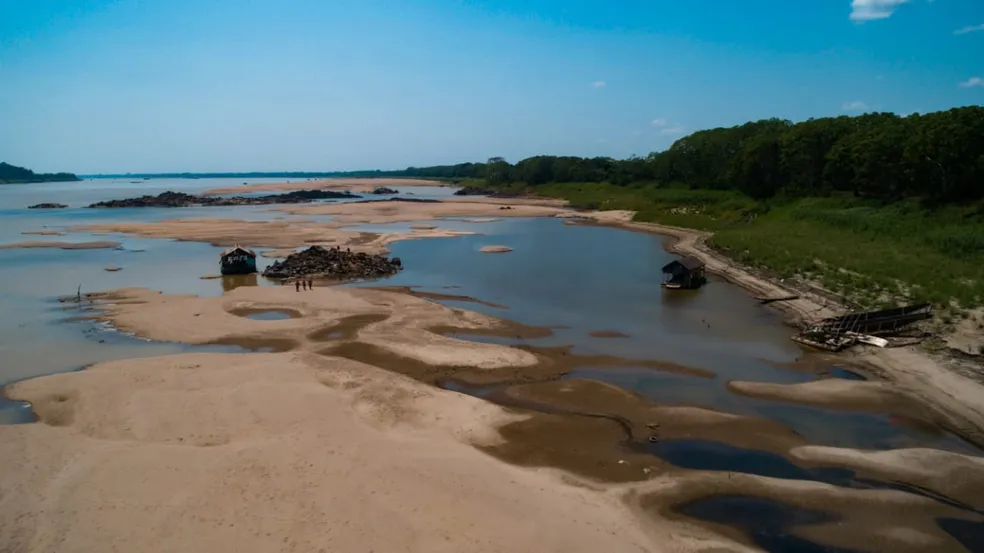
874	322
237	261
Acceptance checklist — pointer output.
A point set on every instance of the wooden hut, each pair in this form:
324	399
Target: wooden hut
238	260
684	273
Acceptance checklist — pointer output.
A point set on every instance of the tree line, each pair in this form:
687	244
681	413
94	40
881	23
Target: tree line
11	174
937	157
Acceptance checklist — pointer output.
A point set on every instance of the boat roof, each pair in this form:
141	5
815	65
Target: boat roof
688	262
239	248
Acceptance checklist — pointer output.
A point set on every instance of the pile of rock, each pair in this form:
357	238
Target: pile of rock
382	190
47	206
180	199
333	263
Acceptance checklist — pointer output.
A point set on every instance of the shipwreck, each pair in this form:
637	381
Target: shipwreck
837	333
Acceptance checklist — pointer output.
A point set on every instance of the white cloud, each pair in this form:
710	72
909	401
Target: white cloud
659	122
856	105
867	10
598	84
971	29
675	129
973	81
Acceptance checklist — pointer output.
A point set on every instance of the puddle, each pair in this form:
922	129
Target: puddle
766	523
718	456
841	372
257	314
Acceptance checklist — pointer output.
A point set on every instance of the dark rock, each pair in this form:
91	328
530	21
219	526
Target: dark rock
48	206
180	199
484	191
333	263
383	190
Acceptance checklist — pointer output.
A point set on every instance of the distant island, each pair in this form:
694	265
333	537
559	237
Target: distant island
368	174
11	174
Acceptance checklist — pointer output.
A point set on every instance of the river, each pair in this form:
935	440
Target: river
578	280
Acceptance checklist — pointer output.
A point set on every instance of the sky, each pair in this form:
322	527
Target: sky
107	86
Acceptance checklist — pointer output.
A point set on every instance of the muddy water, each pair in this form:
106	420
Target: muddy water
597	289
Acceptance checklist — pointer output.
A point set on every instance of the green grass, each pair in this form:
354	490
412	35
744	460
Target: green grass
875	255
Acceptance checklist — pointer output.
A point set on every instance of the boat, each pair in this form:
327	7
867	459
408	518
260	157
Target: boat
237	260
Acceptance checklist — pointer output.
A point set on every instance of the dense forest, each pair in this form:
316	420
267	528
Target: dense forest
11	174
938	157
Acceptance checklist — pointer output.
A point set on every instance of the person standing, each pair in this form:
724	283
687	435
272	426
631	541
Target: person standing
297	285
310	284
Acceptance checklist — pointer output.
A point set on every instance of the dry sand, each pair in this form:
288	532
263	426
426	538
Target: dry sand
63	245
44	232
355	185
278	452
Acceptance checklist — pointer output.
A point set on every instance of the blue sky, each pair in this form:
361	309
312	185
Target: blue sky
217	85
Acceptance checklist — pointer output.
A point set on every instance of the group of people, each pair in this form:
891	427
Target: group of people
299	283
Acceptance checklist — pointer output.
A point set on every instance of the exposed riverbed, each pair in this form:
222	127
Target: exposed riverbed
609	327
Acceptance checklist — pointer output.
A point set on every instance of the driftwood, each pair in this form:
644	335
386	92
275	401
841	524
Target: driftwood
765	301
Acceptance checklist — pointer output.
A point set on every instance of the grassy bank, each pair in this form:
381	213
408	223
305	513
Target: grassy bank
873	254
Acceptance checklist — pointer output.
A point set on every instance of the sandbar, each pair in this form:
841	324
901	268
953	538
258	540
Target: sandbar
495	249
63	245
409	212
281	235
355	185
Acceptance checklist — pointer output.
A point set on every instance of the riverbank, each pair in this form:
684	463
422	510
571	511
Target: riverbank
930	379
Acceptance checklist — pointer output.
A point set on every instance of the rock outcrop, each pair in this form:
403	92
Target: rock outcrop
333	263
180	199
48	206
383	190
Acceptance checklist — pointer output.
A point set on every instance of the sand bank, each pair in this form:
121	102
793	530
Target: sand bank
495	249
94	245
280	452
282	235
44	232
409	212
354	185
